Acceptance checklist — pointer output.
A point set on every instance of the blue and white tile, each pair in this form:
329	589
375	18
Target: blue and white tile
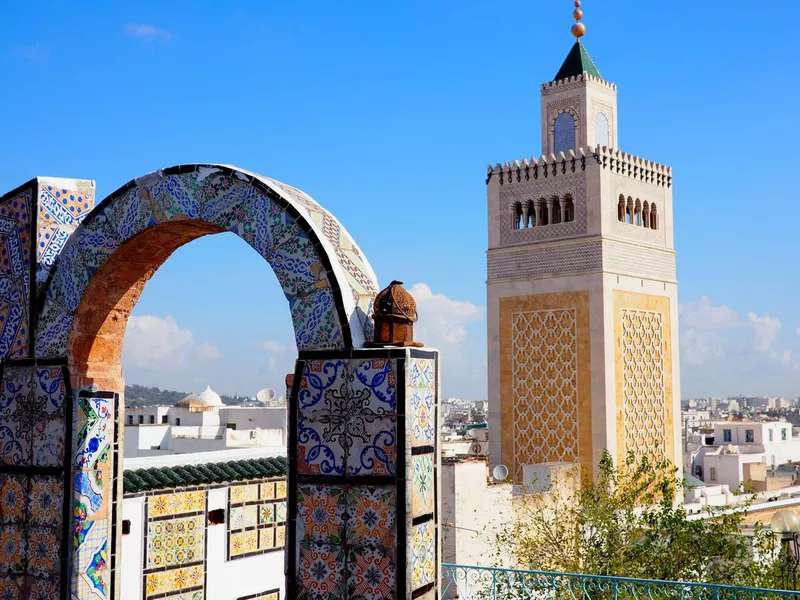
319	446
323	388
371	446
373	386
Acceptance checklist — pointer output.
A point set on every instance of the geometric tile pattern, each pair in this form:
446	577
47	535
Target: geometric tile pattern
423	555
270	216
643	382
544	373
32	499
354	491
174	561
257	515
346	418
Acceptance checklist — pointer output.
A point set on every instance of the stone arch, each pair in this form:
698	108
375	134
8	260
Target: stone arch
621	209
531	214
326	279
516	216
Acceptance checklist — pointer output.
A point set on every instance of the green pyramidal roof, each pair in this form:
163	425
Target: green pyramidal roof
578	61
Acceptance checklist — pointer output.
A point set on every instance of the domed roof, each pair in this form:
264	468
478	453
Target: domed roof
192	402
395	301
210	397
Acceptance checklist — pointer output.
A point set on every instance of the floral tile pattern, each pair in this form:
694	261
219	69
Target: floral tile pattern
17	414
255	518
320	511
236	202
174	542
371	445
93	432
422	482
321	572
423	555
174	580
91	572
90	497
13	498
372	516
45	499
164	505
371	574
423	417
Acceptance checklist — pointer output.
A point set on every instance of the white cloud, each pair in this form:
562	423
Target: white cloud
276	347
702	313
146	31
698	347
160	344
765	330
442	319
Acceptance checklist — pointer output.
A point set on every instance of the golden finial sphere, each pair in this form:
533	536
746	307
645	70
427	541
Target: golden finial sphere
579	30
578	14
577	3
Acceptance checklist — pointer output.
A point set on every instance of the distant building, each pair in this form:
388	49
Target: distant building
201	423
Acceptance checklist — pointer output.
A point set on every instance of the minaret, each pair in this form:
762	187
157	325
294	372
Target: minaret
582	290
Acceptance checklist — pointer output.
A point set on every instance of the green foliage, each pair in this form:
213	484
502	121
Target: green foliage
625	522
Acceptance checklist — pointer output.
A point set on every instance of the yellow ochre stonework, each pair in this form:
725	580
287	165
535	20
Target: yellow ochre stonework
643	375
545	395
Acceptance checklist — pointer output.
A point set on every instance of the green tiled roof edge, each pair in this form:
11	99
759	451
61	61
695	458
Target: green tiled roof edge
164	478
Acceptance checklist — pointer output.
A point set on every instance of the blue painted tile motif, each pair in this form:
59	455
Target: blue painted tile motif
15	234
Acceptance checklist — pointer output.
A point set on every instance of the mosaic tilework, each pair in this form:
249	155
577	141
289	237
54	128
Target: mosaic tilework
348	539
421	386
232	202
257	515
15	248
174	561
347	417
63	204
90	564
422	484
423	555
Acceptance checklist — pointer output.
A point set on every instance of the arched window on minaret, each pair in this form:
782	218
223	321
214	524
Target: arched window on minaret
541	209
653	217
629	211
564	136
621	209
601	130
646	214
637	214
557	218
531	217
516	215
569	209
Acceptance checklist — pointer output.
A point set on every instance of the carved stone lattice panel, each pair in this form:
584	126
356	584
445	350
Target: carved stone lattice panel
643	382
545	384
561	185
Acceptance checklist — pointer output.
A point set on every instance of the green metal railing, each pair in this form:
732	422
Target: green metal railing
483	583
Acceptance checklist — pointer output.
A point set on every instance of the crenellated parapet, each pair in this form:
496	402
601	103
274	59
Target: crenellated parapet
552	166
568	83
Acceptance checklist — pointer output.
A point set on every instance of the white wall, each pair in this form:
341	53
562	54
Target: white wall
132	560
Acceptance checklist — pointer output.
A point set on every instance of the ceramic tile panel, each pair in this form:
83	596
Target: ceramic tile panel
253	517
372	516
371	444
89	496
371	574
320	449
321	512
62	205
422	409
45	500
13	498
182	579
163	505
422	372
13	549
15	248
422	482
321	572
422	569
90	566
93	432
280	489
17	415
373	386
280	536
323	388
174	542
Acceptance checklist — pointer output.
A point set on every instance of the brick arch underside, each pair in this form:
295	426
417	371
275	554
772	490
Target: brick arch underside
101	272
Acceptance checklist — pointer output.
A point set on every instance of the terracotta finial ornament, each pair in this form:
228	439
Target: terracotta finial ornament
394	312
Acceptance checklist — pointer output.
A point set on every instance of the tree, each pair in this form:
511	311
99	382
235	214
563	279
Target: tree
625	522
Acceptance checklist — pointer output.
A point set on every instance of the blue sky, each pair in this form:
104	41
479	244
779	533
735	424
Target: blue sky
387	113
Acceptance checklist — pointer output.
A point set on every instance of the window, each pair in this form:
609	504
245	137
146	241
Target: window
516	216
653	217
771	435
749	436
726	435
543	216
530	220
601	133
216	517
784	434
130	419
712	474
564	136
152	419
141	419
164	419
178	421
126	527
569	210
556	210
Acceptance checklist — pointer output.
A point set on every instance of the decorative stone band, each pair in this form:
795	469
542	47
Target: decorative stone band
553	87
615	161
589	257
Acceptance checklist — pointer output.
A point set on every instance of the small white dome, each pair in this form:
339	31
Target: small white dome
210	397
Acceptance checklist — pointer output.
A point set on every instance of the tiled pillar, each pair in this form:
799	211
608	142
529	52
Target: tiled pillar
363	459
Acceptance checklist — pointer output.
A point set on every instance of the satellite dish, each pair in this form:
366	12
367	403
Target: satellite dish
500	472
266	395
